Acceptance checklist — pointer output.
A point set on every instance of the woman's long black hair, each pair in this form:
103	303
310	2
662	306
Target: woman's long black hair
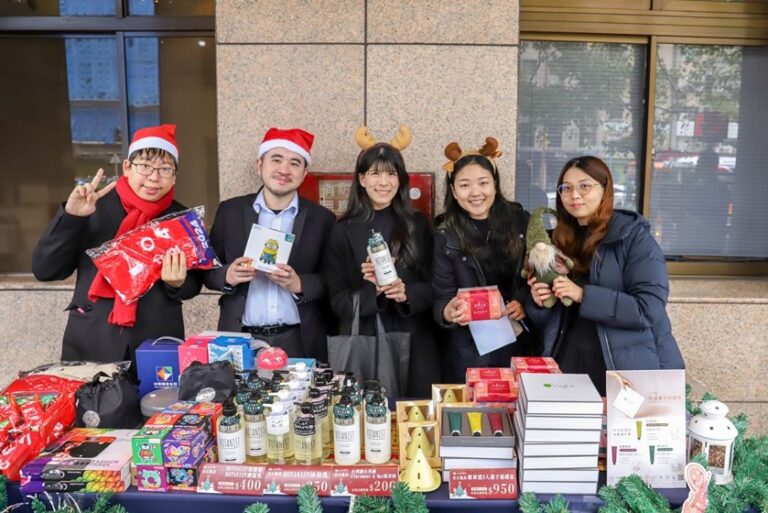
504	219
385	157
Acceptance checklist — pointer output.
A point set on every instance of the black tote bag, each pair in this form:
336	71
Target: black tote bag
384	356
109	402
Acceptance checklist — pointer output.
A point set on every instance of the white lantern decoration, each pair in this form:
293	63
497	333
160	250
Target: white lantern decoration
712	434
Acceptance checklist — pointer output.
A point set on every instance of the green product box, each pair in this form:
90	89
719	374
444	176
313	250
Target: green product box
148	445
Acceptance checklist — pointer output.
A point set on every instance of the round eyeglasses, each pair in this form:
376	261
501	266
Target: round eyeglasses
145	169
583	188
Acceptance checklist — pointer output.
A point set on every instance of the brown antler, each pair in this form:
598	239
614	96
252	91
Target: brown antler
363	138
490	148
402	138
453	151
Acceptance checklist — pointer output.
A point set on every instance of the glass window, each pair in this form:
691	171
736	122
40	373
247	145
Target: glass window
62	119
57	8
708	184
166	77
579	99
171	7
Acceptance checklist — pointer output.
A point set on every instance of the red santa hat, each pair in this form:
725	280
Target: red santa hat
162	137
292	139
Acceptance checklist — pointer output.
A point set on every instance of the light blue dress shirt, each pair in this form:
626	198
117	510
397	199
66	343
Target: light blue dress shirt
269	304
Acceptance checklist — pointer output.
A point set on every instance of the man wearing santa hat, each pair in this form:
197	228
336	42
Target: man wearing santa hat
282	307
101	327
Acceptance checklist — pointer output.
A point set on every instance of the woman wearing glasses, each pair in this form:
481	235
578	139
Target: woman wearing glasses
619	284
378	201
101	327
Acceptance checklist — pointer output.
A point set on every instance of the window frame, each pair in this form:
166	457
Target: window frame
654	22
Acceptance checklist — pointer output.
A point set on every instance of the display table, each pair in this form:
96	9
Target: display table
437	501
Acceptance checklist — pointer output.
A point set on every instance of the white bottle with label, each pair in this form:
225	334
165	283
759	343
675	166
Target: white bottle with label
279	441
346	432
381	258
255	431
230	435
378	430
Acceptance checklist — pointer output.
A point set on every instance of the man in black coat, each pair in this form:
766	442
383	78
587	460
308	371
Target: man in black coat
282	307
100	327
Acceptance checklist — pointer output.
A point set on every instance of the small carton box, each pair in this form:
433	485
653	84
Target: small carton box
194	349
458	392
180	407
157	364
267	247
184	445
147	445
496	391
212	410
151	478
489	373
195	420
163	420
184	478
485	303
236	350
520	363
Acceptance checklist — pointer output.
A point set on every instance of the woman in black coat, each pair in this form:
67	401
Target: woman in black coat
378	201
479	242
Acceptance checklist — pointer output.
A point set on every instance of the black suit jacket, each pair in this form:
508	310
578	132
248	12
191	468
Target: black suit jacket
229	236
88	335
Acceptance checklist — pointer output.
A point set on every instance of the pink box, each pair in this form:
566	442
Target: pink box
194	349
151	478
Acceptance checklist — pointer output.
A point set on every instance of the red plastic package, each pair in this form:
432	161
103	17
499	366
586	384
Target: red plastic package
47	406
484	303
133	262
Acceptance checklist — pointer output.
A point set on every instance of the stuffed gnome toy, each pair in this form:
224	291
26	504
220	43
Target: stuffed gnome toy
543	260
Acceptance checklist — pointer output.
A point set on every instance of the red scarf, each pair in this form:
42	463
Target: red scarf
139	212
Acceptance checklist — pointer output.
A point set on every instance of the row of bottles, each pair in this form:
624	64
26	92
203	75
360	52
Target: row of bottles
302	425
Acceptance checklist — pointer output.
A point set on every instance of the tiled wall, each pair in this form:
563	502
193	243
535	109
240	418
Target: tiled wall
446	69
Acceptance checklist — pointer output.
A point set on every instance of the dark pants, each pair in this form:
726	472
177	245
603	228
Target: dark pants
289	340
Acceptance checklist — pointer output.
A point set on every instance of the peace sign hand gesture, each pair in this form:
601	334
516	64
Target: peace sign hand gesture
82	200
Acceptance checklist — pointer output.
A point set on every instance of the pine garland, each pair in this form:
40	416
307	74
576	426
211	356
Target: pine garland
3	492
365	504
258	507
406	501
308	500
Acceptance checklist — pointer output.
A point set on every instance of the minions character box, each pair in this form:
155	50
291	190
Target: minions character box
267	247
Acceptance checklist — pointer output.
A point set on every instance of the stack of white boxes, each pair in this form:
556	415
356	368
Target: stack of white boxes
558	423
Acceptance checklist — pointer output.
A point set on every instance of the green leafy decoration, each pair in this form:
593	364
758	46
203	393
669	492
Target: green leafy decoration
614	502
365	504
557	505
258	507
308	500
3	492
528	503
101	504
117	508
38	506
406	501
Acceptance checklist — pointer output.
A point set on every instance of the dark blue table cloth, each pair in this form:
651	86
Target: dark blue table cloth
438	502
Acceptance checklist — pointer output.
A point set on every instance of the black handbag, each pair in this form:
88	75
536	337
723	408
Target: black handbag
207	382
384	356
110	402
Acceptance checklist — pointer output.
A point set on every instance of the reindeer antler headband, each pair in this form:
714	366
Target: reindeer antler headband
365	140
490	150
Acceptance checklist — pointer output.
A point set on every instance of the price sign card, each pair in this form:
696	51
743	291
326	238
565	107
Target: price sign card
231	479
483	483
372	480
287	479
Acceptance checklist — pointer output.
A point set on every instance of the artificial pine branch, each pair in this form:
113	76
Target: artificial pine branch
406	501
557	505
614	503
101	504
640	497
528	503
257	507
308	500
38	506
366	504
3	492
117	508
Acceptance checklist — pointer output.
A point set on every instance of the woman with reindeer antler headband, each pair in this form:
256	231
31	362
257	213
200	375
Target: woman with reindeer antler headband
378	200
479	242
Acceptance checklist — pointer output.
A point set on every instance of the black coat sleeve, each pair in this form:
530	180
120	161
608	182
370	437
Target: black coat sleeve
340	271
313	285
215	279
57	252
418	288
444	284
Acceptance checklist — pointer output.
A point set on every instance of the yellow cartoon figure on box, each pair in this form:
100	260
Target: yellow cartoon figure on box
269	254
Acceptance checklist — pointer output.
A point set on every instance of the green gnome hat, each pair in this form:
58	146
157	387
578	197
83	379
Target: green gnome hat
537	232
